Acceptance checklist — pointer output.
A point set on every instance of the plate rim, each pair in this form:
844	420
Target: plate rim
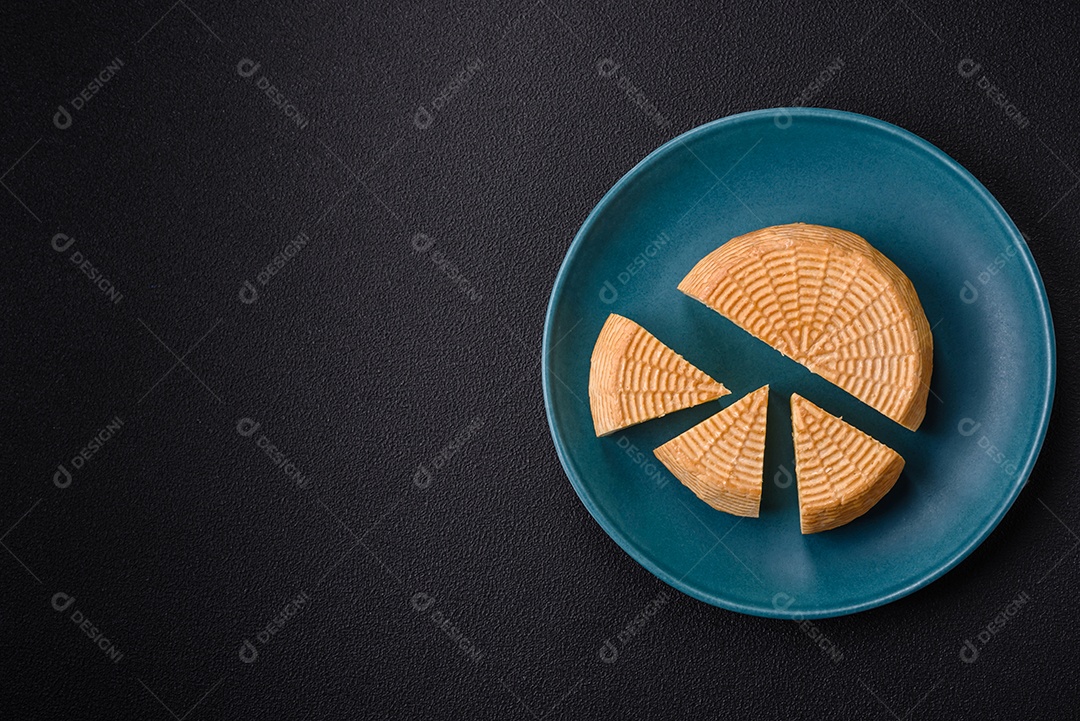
938	570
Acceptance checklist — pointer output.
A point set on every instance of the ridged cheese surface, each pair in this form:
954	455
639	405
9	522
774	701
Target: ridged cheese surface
841	472
827	299
720	459
633	377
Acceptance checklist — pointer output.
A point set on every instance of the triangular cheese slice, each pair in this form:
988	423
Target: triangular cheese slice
827	299
720	458
634	377
841	472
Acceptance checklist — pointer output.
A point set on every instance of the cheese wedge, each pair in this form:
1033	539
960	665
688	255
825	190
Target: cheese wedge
827	299
841	472
720	458
634	377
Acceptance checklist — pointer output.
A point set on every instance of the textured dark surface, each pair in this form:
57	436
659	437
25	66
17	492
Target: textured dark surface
363	360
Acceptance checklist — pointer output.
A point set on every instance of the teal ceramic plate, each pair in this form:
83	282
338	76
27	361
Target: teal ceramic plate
991	390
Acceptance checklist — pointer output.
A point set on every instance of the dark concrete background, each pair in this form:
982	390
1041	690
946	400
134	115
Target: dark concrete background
483	589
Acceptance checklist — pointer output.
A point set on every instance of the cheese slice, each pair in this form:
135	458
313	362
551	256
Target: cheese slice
827	299
634	377
841	472
720	459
